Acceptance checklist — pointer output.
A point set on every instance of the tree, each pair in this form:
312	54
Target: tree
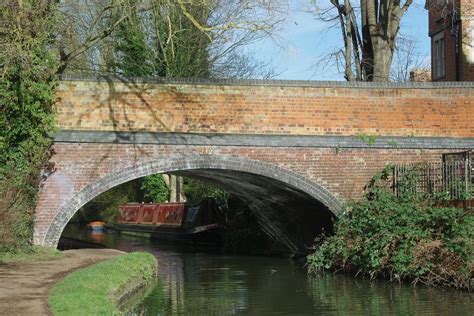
161	42
27	93
369	34
406	59
196	190
104	207
85	38
131	54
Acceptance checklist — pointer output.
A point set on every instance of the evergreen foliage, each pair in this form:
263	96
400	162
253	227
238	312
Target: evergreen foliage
27	93
155	188
196	190
160	42
132	56
407	237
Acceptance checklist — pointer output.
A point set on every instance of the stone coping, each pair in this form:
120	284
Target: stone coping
263	140
265	82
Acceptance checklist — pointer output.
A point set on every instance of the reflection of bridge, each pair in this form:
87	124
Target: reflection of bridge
294	150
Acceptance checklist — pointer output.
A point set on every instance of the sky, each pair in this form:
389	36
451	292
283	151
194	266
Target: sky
302	41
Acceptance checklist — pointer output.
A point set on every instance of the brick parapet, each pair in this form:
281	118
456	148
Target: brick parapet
346	109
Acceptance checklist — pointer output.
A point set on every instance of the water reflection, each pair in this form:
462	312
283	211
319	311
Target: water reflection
221	285
344	295
97	236
206	283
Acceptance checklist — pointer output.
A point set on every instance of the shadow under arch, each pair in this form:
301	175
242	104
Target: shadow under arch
186	165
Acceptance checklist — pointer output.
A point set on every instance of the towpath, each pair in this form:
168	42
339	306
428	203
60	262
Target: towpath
24	286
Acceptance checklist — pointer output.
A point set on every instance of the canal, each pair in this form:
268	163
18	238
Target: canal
205	282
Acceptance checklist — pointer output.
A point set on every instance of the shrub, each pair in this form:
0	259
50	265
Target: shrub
407	237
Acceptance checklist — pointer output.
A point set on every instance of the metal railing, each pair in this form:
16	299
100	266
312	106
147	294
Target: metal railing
455	179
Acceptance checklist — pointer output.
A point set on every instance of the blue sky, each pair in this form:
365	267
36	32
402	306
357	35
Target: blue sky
303	40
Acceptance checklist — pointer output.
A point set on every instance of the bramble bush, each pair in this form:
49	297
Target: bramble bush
411	237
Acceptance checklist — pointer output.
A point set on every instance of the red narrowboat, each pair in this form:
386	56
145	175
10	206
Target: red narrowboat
172	221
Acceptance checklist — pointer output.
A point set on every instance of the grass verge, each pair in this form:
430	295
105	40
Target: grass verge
101	288
32	254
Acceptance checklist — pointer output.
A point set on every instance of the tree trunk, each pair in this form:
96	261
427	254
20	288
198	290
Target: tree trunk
348	41
367	48
375	40
382	60
170	181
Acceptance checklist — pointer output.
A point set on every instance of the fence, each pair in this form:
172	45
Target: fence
453	178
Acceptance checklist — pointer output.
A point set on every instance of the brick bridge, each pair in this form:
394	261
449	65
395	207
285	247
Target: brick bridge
295	150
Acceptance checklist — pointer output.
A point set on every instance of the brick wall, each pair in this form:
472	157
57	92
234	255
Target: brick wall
319	109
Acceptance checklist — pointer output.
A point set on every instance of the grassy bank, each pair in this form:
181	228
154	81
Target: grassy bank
411	237
30	254
101	288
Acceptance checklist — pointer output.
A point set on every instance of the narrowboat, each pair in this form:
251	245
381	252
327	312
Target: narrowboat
172	221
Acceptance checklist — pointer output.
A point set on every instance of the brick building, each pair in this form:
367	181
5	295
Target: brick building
451	28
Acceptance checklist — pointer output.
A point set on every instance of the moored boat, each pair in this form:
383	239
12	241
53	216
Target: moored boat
172	221
96	226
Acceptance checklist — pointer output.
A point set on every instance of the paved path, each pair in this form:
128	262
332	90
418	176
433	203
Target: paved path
24	286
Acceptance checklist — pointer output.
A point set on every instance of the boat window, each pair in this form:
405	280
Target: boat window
191	214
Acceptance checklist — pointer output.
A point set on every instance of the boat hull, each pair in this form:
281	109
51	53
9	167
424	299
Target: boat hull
206	234
173	221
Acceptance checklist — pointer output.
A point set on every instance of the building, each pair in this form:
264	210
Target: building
451	28
420	75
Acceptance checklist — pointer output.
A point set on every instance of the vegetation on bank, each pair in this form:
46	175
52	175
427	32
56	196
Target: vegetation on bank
27	93
98	289
30	254
410	237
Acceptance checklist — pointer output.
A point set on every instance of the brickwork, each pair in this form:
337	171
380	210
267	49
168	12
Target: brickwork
288	110
310	139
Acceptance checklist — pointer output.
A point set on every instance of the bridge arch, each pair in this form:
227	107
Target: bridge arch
195	166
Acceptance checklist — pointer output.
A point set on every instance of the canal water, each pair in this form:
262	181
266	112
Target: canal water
204	282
